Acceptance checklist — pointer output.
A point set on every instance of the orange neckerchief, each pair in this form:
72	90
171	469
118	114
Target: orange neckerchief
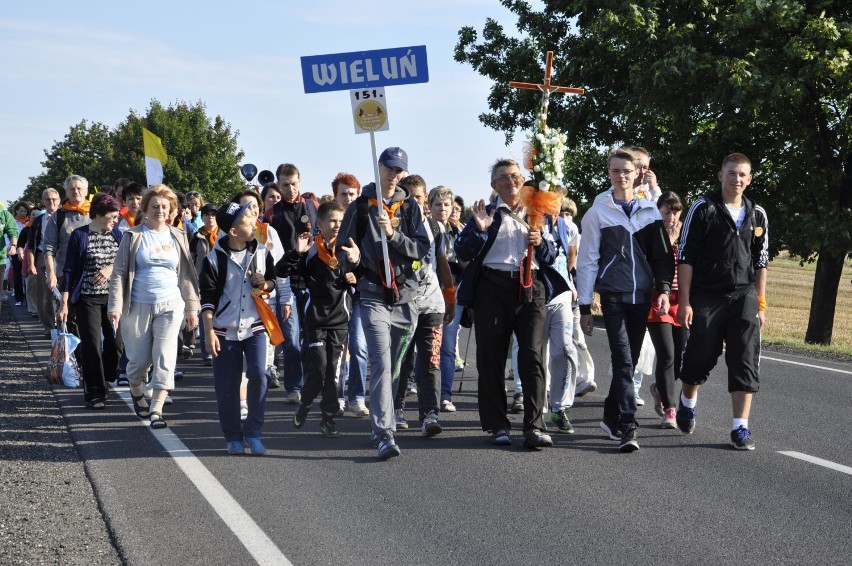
390	210
261	231
82	209
129	218
23	219
323	252
212	236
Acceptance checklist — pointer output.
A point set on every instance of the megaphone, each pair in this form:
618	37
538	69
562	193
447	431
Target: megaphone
249	171
266	176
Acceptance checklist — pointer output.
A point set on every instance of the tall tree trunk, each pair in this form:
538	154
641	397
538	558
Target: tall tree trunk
829	268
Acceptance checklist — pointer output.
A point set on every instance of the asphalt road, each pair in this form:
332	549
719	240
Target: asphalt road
176	497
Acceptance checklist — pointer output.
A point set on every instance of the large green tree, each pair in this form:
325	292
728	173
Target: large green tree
202	152
694	80
85	150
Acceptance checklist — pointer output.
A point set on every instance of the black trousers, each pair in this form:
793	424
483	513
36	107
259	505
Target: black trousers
97	364
18	278
323	362
498	311
427	372
728	319
669	341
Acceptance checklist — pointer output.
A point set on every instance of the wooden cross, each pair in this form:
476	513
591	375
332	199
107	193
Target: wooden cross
546	88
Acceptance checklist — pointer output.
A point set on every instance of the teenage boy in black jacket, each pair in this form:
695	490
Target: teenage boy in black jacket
722	287
327	314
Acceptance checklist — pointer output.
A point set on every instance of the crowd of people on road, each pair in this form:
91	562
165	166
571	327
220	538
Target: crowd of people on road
355	299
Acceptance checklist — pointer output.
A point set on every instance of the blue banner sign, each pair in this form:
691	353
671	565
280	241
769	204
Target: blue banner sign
365	69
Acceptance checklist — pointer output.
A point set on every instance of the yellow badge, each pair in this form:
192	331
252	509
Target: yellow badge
395	222
333	263
758	231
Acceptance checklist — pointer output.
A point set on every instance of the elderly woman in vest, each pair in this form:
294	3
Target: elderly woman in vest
153	290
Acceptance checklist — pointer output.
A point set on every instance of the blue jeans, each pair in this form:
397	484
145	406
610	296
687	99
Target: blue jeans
625	330
448	354
292	329
227	375
355	369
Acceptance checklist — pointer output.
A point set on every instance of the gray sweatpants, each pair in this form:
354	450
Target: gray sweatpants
388	330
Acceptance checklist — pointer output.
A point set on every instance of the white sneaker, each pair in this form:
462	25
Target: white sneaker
340	404
359	408
585	387
447	406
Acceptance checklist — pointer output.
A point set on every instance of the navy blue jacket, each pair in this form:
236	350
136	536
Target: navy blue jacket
473	245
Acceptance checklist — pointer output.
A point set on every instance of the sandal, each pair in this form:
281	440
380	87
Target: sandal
96	404
157	421
140	406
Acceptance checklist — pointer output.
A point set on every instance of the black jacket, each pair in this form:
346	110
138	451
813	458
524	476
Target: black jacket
331	296
723	259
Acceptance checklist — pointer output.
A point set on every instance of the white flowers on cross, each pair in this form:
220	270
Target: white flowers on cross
548	152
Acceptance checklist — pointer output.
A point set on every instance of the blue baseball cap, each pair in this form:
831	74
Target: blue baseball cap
394	157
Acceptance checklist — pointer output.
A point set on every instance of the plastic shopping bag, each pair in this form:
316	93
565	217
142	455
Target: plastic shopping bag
62	365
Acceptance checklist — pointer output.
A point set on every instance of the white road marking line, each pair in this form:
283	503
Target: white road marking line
806	365
819	462
262	549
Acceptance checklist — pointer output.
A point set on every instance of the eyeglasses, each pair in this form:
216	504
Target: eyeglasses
622	172
514	177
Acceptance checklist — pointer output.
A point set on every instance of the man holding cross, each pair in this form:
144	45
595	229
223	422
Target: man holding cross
495	241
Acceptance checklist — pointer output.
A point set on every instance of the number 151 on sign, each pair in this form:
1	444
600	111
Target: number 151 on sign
369	110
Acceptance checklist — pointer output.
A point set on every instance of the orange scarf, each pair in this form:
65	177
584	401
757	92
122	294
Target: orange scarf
129	218
212	236
82	209
390	210
22	219
324	253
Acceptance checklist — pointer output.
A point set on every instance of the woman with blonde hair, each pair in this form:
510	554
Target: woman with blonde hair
153	289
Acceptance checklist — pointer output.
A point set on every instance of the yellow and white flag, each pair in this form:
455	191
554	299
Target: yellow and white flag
155	157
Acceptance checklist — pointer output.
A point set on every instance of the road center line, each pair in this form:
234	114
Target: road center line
819	462
847	372
262	549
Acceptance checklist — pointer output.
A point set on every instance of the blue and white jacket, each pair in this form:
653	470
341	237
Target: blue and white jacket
627	257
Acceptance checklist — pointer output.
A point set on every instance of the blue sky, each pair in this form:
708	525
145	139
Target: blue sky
63	62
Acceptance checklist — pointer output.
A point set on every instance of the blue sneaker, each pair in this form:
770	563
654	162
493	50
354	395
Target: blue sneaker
741	439
685	418
388	448
256	446
236	447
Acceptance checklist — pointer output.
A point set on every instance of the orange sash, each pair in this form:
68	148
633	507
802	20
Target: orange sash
82	209
323	252
262	232
267	317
